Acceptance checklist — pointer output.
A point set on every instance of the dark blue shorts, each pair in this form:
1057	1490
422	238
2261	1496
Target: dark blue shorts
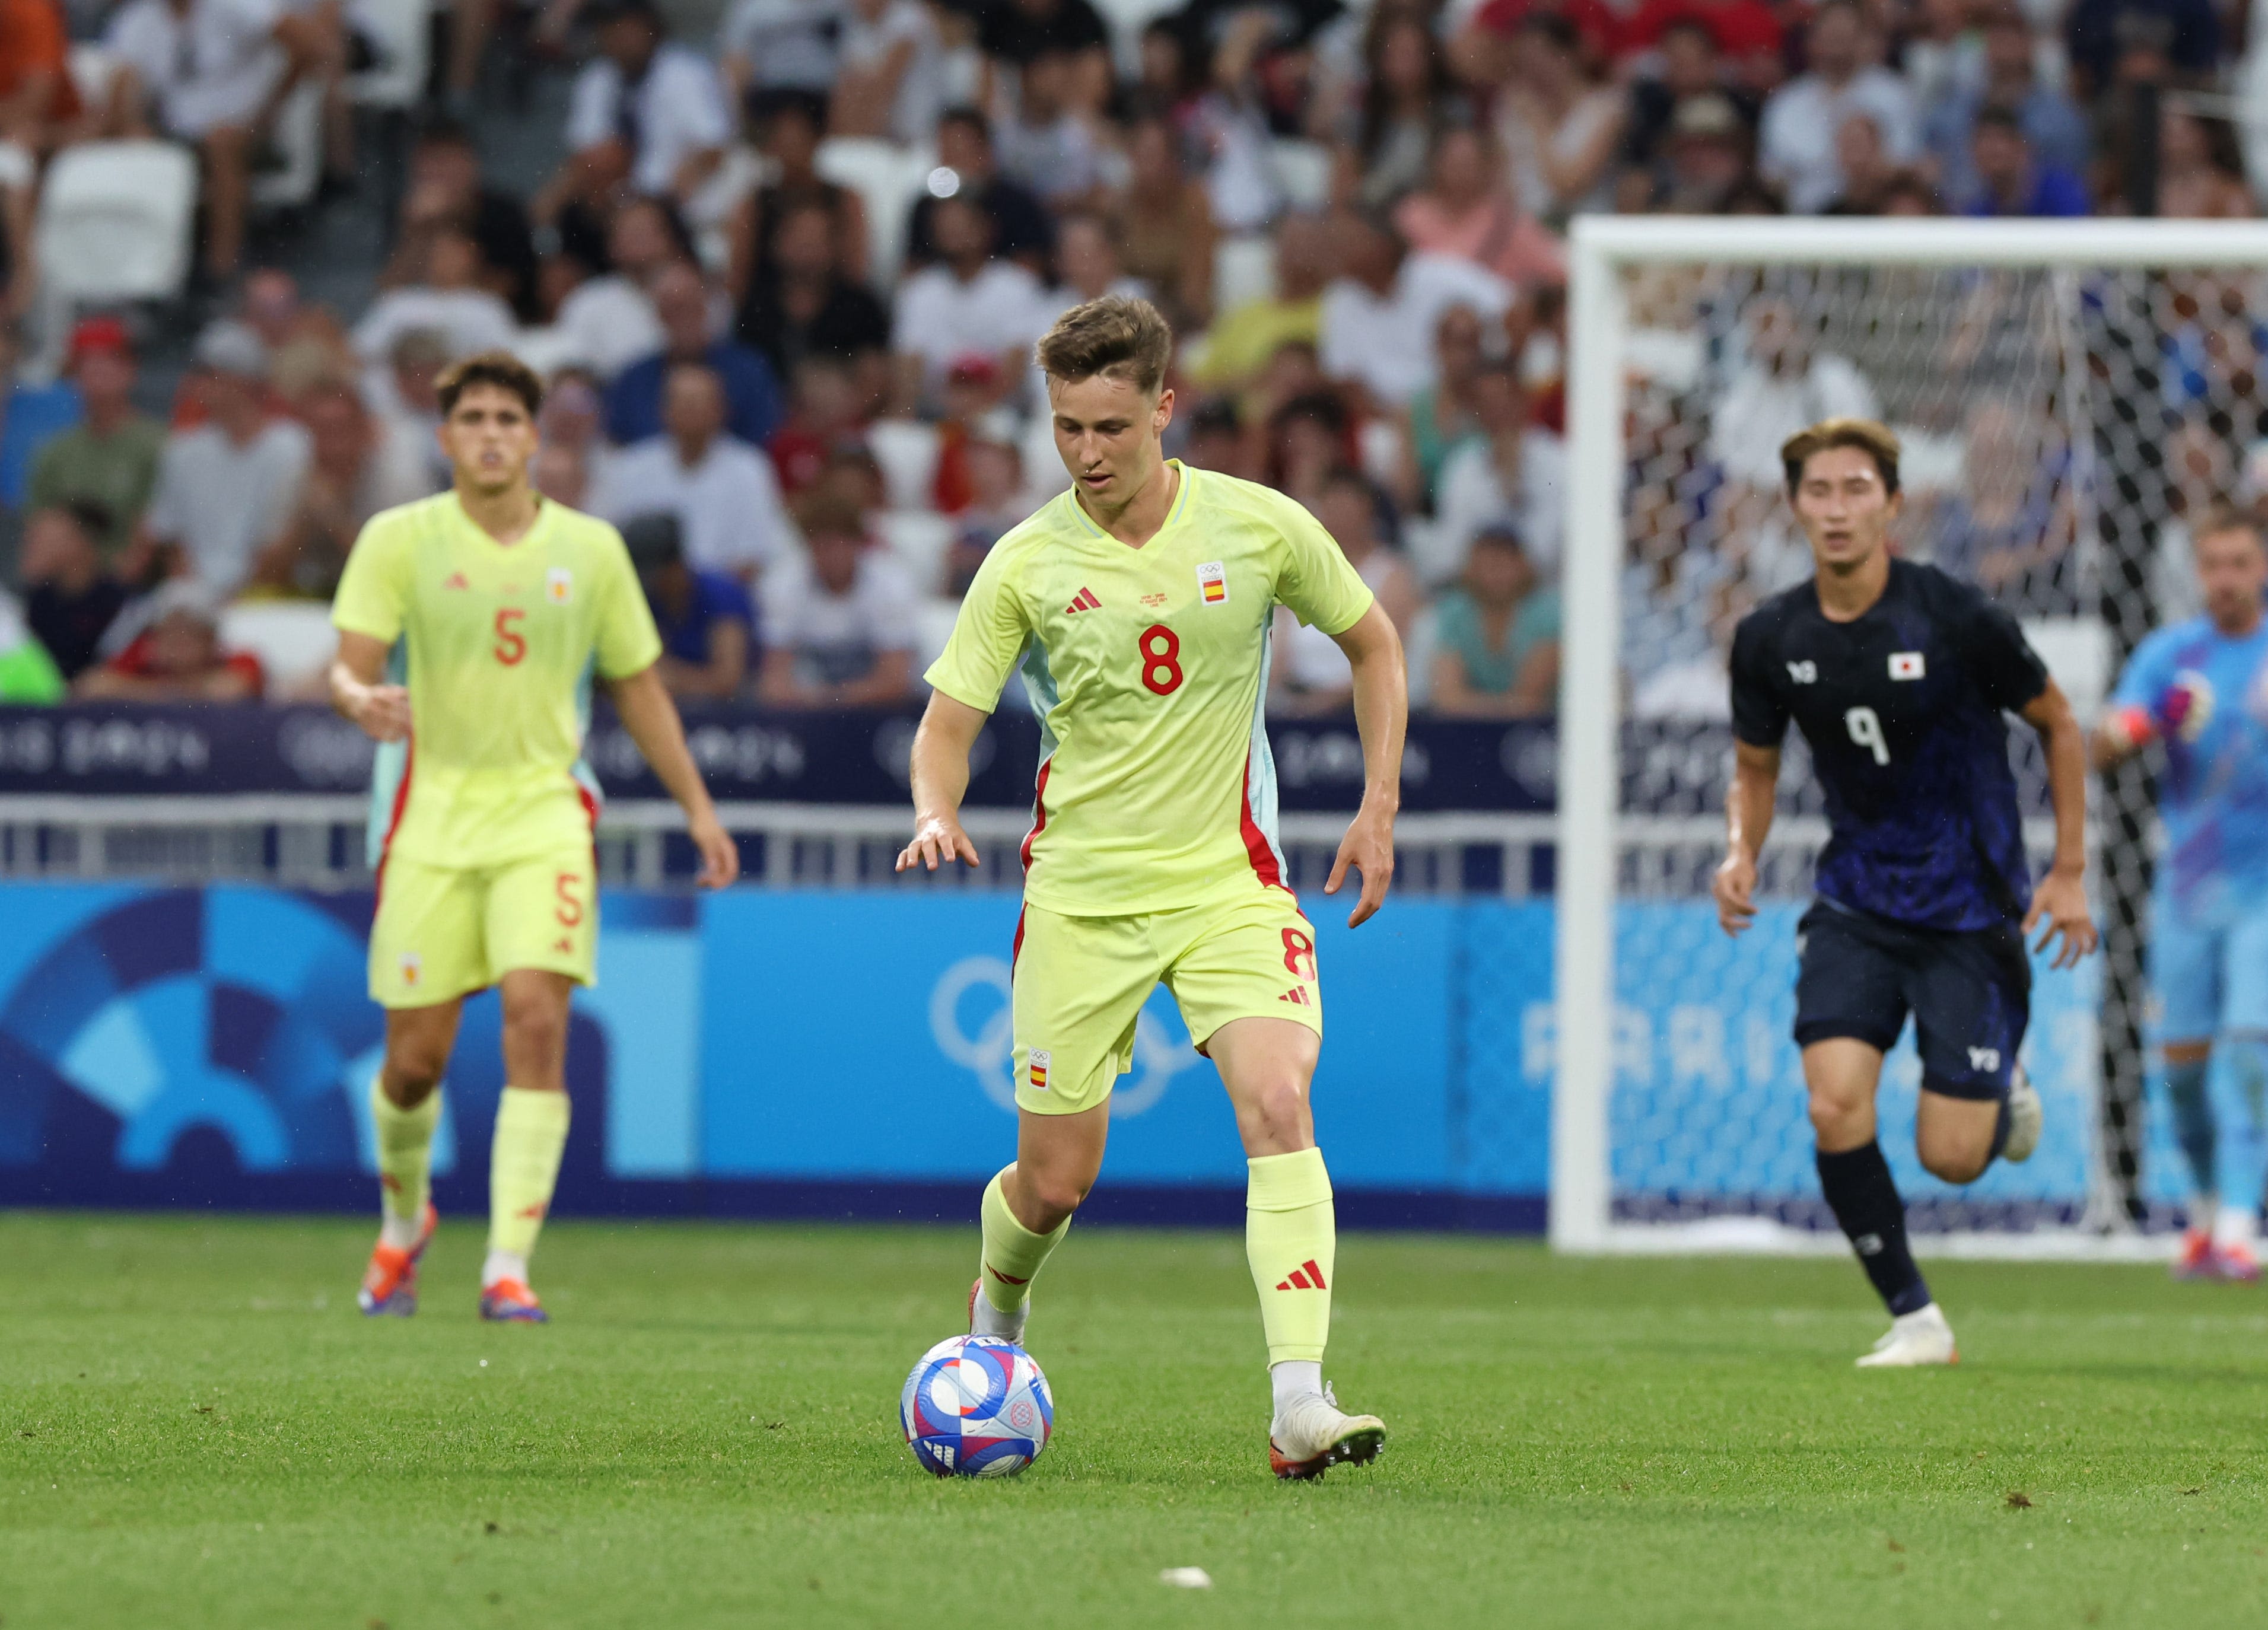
1969	993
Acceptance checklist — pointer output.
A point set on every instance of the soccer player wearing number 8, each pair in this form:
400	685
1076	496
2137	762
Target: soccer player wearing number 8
1898	677
1137	607
2201	687
470	626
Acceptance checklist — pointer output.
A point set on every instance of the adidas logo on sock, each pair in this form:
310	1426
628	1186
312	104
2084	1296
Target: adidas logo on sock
1084	602
1306	1276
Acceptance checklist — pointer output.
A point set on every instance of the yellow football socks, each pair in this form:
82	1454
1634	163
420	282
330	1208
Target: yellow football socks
405	1161
531	1134
1013	1253
1291	1238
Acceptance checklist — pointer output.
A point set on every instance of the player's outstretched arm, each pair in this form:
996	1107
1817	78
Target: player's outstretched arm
2060	899
359	691
651	717
941	779
1381	713
1747	818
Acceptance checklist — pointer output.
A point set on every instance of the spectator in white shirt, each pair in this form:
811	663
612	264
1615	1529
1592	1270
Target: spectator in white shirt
210	73
840	624
226	489
1796	145
608	322
1514	471
648	110
893	78
968	303
723	492
1379	314
447	299
782	45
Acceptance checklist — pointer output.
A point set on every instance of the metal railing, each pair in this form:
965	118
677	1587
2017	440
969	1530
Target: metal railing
316	841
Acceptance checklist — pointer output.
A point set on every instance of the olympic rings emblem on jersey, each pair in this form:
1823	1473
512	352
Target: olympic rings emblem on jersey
990	1054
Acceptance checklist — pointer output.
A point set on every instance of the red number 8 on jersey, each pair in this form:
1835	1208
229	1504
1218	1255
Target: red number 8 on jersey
1161	659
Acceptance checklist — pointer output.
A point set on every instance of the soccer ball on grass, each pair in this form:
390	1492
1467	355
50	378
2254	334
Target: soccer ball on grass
977	1407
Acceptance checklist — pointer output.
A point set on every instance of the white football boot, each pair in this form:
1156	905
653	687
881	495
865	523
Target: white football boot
984	1319
1312	1435
1914	1339
2024	1118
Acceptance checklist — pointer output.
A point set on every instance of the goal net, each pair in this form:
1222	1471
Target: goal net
2066	393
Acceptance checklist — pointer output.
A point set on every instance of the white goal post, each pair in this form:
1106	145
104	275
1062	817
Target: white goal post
2063	268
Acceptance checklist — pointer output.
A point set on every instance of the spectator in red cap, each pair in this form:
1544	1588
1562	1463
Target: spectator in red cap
110	458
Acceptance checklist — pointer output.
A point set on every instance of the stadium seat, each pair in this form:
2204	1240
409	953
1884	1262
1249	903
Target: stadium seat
710	209
402	31
907	450
1045	475
887	177
92	69
293	639
1303	172
114	220
1424	639
1243	269
918	539
299	138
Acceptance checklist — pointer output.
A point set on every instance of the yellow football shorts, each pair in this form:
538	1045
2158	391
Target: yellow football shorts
442	932
1080	983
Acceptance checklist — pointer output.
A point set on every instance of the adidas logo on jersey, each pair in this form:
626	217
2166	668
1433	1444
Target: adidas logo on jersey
455	580
1084	602
1298	997
1306	1276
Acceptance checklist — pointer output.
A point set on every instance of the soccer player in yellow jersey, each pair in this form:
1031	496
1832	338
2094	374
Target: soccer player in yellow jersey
470	626
1137	605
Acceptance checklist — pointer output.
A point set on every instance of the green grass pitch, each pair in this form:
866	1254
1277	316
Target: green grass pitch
196	1428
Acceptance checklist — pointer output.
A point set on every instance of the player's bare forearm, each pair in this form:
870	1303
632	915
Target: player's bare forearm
939	775
2060	899
1381	714
1747	821
359	694
651	717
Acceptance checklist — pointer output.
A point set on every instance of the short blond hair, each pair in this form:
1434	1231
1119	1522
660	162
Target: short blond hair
1868	435
1115	336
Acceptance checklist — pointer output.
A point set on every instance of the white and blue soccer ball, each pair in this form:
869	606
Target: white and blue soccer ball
977	1407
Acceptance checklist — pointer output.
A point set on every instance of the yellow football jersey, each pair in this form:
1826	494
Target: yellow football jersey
497	643
1148	668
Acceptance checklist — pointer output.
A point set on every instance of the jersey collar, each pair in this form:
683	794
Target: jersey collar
1086	525
545	508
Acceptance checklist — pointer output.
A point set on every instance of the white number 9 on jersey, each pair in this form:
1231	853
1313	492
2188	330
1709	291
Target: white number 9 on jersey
1867	729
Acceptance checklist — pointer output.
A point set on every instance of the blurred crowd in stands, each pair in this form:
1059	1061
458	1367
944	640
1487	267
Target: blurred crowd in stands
784	281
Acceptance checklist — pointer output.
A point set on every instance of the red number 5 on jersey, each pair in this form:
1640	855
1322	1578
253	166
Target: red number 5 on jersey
1161	659
511	644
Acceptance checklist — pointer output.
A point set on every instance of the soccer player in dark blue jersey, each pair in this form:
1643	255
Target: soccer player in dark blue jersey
1898	677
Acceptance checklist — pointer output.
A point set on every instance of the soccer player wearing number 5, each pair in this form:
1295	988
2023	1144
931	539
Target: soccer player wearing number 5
2201	687
1137	607
470	626
1898	677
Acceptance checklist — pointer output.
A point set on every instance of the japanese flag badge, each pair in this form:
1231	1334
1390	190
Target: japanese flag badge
1906	664
559	585
1213	583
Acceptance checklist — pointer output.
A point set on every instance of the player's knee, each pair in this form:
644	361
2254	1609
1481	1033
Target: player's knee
412	1070
1837	1120
1275	1119
537	1029
1055	1196
1954	1160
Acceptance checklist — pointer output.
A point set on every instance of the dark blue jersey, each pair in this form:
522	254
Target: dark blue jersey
1902	710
